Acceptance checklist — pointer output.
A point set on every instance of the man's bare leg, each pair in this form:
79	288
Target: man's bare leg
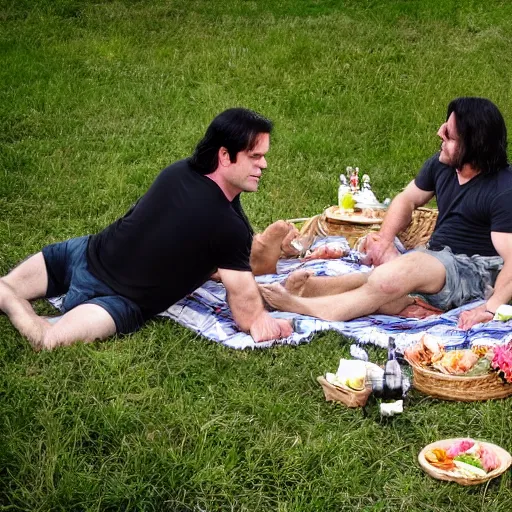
266	247
87	322
304	283
388	283
395	307
29	280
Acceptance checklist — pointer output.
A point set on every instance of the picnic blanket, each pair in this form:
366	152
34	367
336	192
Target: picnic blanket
206	312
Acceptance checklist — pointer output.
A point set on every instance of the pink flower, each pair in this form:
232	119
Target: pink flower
502	361
459	447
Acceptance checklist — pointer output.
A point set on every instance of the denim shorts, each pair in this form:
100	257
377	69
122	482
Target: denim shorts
67	268
468	278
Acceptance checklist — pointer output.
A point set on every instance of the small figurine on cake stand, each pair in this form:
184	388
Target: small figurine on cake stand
354	180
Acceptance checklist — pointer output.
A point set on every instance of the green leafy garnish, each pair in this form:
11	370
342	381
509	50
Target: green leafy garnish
481	367
469	459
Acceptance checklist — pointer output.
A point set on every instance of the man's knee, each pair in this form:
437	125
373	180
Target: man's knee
385	284
396	277
6	288
412	272
279	227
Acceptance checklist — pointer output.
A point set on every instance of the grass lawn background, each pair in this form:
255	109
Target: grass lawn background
96	98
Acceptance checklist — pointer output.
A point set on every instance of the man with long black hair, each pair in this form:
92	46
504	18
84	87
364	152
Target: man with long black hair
188	225
469	255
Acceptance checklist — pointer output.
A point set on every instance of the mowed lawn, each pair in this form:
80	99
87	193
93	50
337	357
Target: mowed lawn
96	98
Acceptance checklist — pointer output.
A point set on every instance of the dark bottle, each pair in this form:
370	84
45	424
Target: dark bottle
392	374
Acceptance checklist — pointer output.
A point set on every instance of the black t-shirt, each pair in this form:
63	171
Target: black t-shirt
467	213
172	240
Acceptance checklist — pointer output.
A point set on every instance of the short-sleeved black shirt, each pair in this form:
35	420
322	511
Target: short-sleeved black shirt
171	241
467	213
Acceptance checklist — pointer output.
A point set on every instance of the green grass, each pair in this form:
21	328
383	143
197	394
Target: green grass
96	98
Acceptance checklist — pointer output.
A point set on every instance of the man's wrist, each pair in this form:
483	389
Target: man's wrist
386	238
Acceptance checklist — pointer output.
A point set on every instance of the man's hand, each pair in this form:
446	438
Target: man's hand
471	317
378	250
246	305
266	328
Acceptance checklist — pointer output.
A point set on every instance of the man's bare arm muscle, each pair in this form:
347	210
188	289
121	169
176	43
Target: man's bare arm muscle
246	305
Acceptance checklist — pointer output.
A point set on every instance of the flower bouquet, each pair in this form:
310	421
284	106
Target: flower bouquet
502	361
465	461
479	373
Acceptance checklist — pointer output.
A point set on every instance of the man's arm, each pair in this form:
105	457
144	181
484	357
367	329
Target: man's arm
502	288
246	305
397	219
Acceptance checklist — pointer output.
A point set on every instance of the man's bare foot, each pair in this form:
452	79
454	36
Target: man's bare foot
288	250
297	281
276	296
266	248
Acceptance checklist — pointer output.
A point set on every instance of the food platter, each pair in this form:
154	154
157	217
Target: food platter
334	213
445	374
371	206
504	458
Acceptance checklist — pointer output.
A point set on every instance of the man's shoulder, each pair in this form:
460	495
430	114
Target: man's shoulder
180	171
179	165
501	182
505	174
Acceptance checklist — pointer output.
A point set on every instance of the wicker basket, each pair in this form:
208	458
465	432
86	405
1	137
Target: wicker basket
503	456
420	229
459	388
348	397
417	233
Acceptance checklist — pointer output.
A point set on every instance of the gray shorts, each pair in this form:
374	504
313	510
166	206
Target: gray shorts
468	278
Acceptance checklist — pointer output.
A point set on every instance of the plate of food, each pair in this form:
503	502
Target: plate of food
464	460
334	213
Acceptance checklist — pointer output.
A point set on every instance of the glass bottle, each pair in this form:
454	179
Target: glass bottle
392	374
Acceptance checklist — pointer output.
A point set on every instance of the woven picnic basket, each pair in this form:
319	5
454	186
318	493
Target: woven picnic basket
421	227
417	233
349	397
459	388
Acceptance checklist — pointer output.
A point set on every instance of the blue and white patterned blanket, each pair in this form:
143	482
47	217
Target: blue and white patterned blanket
206	312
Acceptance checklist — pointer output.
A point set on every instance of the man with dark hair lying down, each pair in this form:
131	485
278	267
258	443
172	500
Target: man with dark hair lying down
188	225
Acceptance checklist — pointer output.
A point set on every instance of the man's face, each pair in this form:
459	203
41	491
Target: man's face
450	147
244	174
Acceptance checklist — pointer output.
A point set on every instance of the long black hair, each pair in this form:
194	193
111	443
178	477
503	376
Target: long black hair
482	132
235	129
